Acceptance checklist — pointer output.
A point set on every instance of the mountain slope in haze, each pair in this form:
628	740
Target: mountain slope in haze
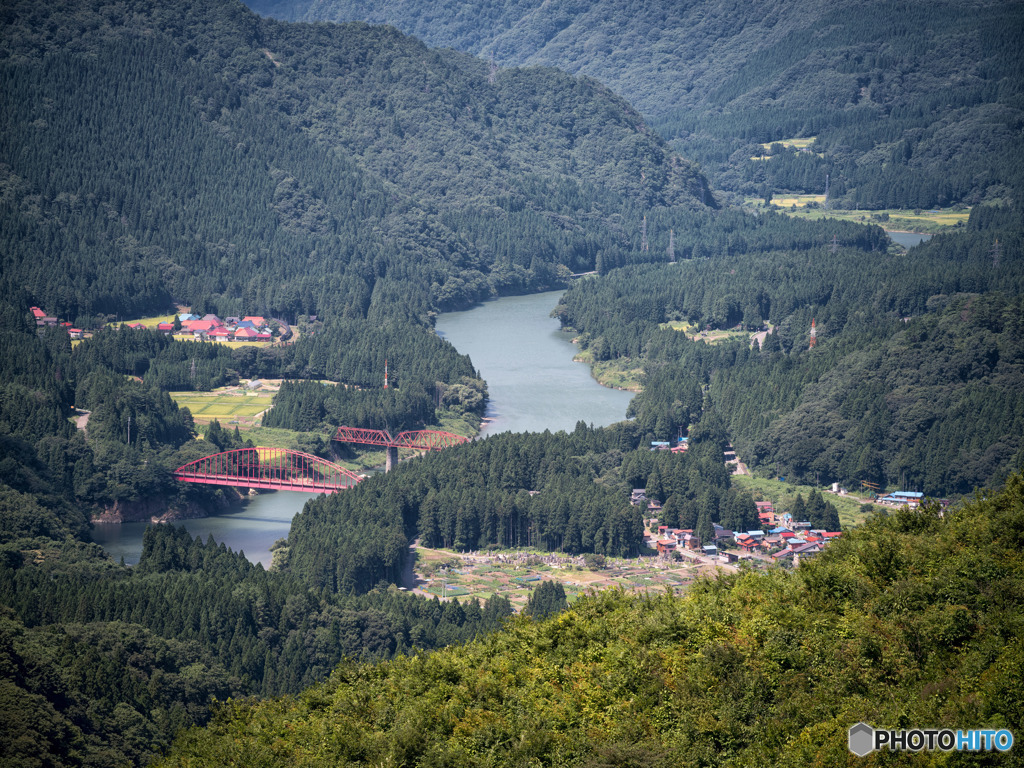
155	152
914	104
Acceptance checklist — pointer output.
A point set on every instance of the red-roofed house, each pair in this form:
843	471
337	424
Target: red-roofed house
75	333
263	337
202	326
246	334
255	319
747	543
220	334
37	313
165	327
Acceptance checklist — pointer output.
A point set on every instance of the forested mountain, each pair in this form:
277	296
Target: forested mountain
915	380
911	619
153	152
910	101
103	664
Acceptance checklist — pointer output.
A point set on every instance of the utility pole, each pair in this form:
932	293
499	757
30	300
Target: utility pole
826	191
643	236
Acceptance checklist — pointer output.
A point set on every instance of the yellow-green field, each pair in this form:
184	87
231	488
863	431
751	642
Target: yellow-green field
798	201
227	405
792	143
679	325
621	373
932	221
788	143
153	322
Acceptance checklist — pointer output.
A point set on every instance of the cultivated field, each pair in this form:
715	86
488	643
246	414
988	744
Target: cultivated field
516	573
897	219
228	405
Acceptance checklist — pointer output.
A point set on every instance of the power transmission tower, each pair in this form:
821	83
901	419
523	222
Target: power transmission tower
814	334
997	252
671	245
835	244
826	191
492	72
643	236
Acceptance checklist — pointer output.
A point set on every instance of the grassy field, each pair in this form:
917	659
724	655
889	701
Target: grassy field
153	322
229	405
896	219
622	373
782	494
792	143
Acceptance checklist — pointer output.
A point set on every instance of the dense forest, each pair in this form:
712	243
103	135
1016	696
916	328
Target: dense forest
911	619
104	664
913	104
914	381
157	154
553	492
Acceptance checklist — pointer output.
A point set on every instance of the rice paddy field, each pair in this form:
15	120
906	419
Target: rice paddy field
230	406
896	219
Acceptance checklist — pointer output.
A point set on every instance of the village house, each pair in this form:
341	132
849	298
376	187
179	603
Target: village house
912	499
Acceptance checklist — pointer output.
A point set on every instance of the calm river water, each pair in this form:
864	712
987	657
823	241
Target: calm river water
533	385
527	362
908	239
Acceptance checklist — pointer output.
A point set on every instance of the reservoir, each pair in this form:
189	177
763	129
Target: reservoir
908	239
533	385
252	529
527	363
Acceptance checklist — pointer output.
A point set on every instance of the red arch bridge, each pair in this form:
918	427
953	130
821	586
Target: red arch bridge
421	440
275	469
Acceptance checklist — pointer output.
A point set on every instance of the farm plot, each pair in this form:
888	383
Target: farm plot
225	407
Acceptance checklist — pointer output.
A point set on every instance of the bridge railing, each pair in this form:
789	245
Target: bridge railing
269	468
422	439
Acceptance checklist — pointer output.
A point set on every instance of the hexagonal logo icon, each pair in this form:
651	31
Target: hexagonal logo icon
861	739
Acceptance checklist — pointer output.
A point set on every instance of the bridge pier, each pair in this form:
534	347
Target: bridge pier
392	451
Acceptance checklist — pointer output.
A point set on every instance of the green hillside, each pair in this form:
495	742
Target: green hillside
912	621
193	152
909	101
914	381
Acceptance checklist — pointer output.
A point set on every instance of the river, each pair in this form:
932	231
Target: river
908	239
527	363
533	385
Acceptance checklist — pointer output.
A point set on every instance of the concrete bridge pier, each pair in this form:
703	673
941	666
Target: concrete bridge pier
392	451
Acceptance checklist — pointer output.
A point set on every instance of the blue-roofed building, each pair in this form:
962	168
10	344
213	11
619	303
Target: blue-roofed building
902	498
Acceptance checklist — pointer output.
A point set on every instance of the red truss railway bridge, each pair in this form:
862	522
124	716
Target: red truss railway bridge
420	440
274	469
